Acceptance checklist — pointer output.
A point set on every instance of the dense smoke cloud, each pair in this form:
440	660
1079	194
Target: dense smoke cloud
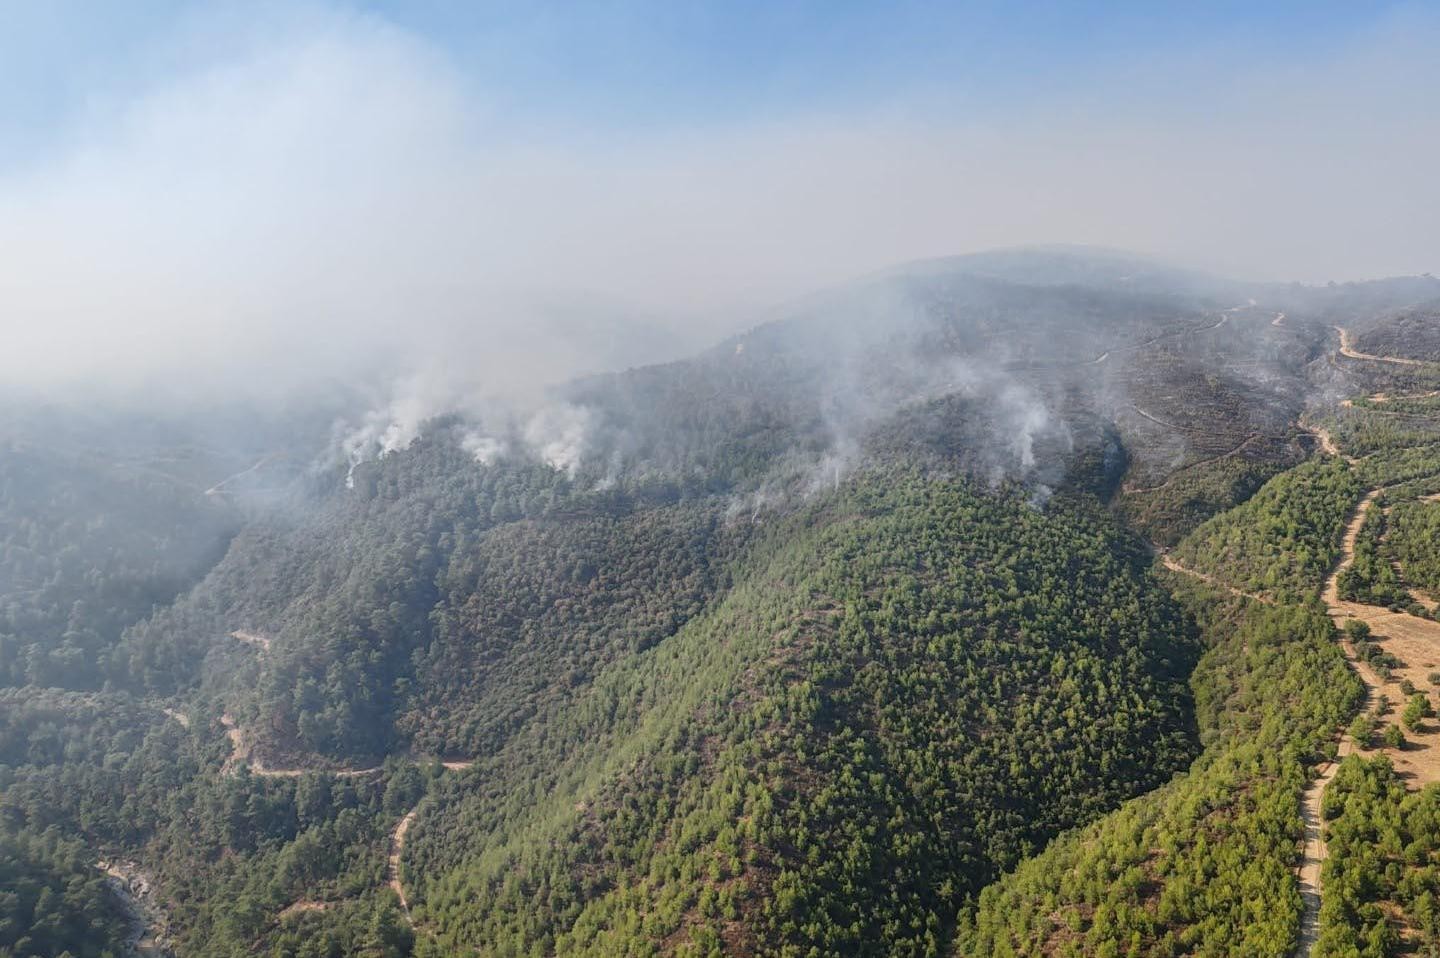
330	201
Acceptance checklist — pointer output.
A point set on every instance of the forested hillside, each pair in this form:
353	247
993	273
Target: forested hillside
1283	541
54	901
901	695
1205	865
1208	864
437	603
85	551
845	637
1414	532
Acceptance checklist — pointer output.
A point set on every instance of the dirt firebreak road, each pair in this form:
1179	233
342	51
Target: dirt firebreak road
241	753
1416	643
1411	639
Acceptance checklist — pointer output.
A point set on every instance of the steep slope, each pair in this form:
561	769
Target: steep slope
55	902
89	547
1412	333
1202	866
1283	540
793	647
441	595
1206	865
429	576
910	686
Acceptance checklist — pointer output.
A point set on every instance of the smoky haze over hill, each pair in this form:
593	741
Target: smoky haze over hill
322	198
309	240
916	480
1009	365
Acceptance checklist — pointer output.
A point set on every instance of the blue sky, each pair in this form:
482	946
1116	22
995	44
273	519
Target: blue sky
625	65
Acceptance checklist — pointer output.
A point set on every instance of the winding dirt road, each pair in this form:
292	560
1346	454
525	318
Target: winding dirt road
1312	803
397	846
1327	441
1416	643
392	870
1311	812
1173	564
1183	470
1413	640
242	753
1347	348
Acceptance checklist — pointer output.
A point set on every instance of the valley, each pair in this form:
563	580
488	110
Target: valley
897	631
711	480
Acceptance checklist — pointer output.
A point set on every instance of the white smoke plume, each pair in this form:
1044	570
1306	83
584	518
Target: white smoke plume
487	450
558	435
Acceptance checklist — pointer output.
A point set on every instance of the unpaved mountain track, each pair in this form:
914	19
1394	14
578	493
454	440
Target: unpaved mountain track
1179	473
1312	813
1189	431
241	754
1327	441
1416	643
397	837
397	848
1413	640
1173	564
1347	348
1312	802
1172	334
392	870
1224	317
1381	398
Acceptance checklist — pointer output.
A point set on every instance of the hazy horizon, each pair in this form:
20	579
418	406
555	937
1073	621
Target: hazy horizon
269	196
